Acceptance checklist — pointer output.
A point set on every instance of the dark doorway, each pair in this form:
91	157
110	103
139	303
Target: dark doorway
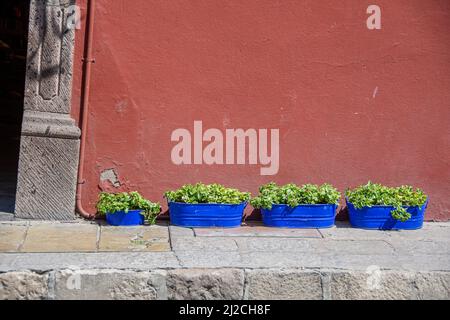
13	52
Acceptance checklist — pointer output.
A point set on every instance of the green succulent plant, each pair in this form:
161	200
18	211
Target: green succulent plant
373	194
294	195
114	202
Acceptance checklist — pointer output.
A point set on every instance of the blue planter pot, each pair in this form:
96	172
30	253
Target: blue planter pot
379	217
302	216
120	218
206	215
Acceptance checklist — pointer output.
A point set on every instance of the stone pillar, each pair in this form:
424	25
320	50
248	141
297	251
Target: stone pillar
50	140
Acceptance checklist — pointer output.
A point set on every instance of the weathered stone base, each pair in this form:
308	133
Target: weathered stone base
46	183
233	283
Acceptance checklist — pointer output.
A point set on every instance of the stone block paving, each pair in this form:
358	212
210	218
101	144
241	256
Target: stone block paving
257	229
46	237
53	237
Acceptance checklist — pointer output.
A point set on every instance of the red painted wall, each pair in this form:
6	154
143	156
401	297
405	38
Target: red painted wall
351	104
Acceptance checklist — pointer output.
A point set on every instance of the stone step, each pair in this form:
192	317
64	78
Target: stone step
90	260
229	284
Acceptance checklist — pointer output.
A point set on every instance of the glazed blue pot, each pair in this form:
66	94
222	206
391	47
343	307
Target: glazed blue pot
302	216
379	217
120	218
206	215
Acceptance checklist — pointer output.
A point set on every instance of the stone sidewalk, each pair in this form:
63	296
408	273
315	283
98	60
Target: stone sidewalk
90	260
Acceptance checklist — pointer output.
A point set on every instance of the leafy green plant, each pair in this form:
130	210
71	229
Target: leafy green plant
207	193
294	195
373	194
114	202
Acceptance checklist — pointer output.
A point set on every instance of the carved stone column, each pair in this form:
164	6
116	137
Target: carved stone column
49	147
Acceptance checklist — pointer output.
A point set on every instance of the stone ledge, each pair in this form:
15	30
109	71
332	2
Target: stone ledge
231	284
52	125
